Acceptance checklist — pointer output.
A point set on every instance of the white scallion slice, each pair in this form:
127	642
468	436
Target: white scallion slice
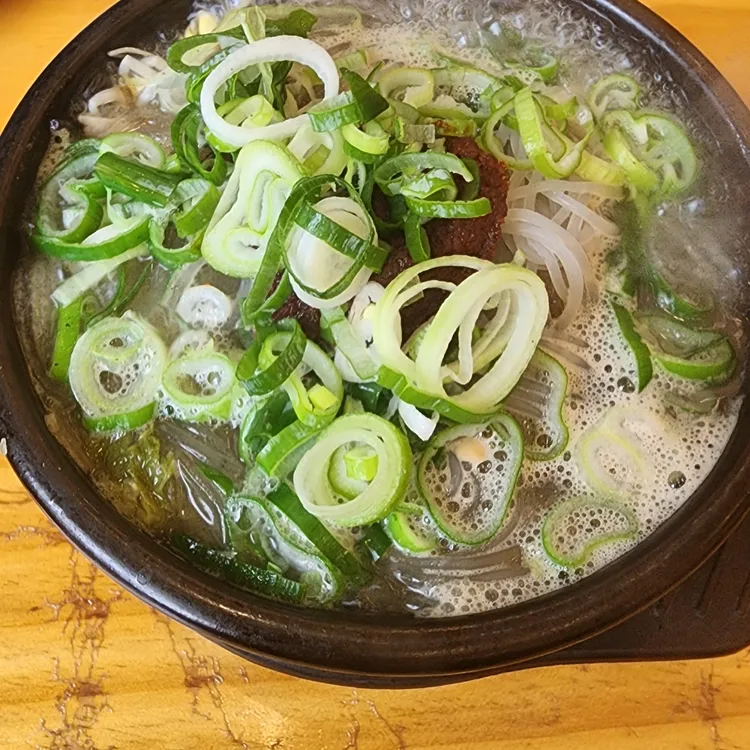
272	49
199	385
115	371
311	478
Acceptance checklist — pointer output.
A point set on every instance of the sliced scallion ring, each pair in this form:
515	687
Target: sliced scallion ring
91	274
318	405
319	153
251	526
115	371
68	209
261	376
312	484
187	130
521	310
107	242
530	126
410	533
287	510
282	453
238	233
595	522
138	146
271	49
538	402
391	174
467	476
714	363
417	85
329	248
199	386
616	91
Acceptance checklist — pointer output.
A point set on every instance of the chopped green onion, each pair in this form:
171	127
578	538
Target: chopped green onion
283	451
199	386
532	136
273	373
251	525
107	242
180	48
361	463
376	541
616	91
369	101
391	174
650	146
349	344
675	337
90	275
270	416
538	402
410	534
334	113
186	129
313	487
143	148
596	523
643	367
71	183
241	574
320	231
198	199
417	84
417	241
115	371
172	257
238	241
138	181
444	481
511	336
288	504
123	297
68	331
431	209
315	407
715	363
373	143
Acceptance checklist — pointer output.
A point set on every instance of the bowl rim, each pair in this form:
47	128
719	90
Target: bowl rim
353	647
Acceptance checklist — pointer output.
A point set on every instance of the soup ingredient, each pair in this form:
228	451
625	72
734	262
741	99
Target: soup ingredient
573	530
469	498
378	496
537	401
242	574
641	354
115	371
521	305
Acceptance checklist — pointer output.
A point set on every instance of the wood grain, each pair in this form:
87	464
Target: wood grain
86	666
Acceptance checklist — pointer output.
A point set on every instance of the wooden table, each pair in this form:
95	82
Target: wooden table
86	666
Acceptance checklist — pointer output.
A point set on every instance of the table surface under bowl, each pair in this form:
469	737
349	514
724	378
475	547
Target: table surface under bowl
87	666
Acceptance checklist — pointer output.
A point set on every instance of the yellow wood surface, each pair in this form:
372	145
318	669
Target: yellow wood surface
86	666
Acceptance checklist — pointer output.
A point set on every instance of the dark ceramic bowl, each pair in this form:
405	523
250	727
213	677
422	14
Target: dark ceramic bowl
351	648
